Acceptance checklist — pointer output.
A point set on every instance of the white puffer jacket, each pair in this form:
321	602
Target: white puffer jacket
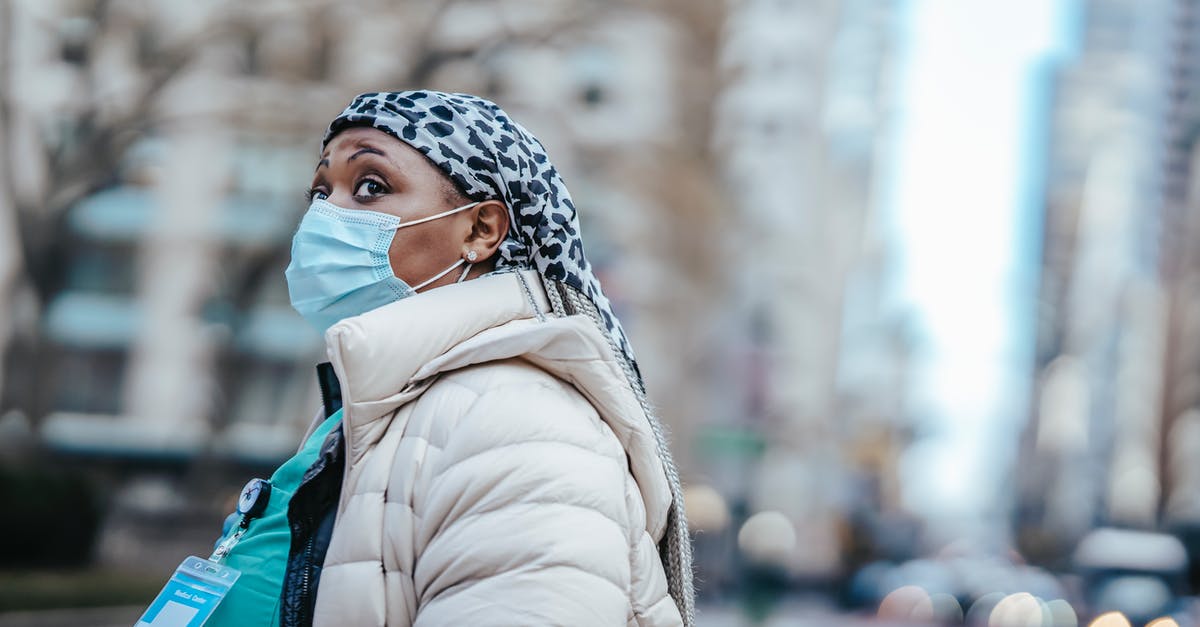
499	470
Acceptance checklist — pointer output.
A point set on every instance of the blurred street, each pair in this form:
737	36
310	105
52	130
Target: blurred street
715	617
93	617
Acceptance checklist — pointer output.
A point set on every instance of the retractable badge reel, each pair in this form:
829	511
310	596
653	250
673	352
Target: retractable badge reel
199	585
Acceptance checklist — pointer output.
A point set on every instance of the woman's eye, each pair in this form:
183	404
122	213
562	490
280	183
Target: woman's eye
316	194
369	187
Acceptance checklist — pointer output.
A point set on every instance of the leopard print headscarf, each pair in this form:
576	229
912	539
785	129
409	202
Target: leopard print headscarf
489	156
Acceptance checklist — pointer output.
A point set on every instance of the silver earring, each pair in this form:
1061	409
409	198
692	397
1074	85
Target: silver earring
471	255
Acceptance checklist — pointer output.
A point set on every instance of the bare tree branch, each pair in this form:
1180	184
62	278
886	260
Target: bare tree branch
430	58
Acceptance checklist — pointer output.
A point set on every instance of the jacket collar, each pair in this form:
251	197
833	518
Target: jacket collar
376	354
388	356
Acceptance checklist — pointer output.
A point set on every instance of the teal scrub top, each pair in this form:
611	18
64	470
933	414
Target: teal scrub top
262	552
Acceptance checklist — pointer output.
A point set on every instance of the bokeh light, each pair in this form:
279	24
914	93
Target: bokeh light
981	610
1110	619
946	609
767	537
1062	614
907	603
1019	610
706	508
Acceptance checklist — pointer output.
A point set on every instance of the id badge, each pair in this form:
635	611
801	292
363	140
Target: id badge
191	594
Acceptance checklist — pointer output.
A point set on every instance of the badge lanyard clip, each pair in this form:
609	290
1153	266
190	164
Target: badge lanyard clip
251	504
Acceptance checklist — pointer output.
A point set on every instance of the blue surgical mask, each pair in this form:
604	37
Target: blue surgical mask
340	266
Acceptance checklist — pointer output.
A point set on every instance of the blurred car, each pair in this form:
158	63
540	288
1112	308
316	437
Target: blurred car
1139	573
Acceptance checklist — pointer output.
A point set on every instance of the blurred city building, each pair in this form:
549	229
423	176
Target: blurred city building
1114	437
814	435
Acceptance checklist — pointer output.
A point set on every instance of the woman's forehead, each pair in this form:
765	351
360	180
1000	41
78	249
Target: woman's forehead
364	137
353	143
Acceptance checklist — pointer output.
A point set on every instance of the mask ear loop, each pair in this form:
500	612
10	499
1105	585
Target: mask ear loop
439	275
464	273
457	263
438	215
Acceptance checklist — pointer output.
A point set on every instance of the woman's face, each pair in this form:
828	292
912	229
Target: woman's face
364	168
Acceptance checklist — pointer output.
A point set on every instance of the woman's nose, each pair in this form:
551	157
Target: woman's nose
342	199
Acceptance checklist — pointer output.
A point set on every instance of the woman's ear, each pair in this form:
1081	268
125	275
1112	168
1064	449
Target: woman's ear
489	229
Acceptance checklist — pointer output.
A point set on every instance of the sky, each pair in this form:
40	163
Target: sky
962	202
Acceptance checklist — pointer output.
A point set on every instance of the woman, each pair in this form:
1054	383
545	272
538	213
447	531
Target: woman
486	454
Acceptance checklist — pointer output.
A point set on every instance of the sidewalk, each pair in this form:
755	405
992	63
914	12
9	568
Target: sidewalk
92	617
787	616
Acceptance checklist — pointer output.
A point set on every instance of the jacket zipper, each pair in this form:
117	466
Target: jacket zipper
306	580
324	400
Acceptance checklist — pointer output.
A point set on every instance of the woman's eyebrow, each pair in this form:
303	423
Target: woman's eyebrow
364	149
368	150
